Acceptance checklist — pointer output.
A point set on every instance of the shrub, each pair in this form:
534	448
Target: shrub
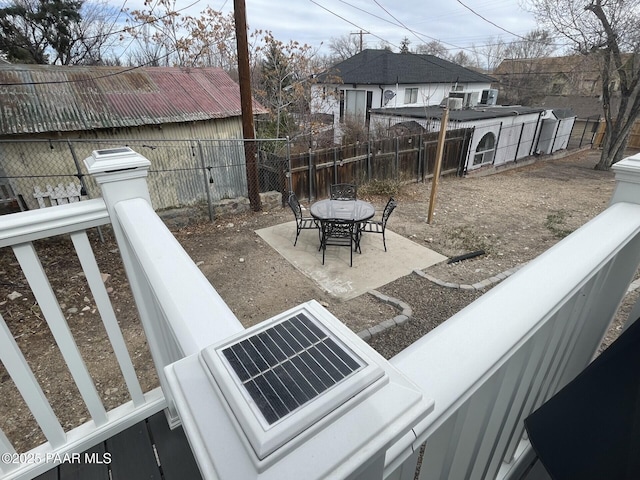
386	188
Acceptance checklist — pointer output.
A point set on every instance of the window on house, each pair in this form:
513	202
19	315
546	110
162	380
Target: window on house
486	149
410	95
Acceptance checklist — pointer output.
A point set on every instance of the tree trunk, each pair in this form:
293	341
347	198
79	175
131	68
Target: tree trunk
610	156
617	131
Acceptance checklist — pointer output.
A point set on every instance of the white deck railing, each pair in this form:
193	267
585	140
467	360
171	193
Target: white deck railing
179	310
487	367
492	364
19	231
496	361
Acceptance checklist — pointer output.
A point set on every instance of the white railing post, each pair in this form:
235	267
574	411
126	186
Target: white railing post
180	311
628	190
121	174
627	173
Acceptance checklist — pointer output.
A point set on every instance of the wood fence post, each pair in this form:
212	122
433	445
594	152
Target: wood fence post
436	172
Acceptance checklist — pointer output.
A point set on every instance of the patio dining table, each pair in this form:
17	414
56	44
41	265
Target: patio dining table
356	211
351	210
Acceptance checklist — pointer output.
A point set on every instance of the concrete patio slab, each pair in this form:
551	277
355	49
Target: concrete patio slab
371	269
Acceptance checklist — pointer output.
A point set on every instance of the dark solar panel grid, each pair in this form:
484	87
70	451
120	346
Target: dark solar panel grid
288	365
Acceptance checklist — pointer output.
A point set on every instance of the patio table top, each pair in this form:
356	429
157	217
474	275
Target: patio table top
354	210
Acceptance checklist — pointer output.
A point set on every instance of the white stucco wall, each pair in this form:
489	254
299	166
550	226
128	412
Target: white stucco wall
515	135
326	99
428	94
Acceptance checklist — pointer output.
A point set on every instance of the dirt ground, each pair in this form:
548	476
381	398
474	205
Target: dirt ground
512	217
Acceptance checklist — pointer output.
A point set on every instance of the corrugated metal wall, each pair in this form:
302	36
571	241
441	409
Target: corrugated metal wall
190	163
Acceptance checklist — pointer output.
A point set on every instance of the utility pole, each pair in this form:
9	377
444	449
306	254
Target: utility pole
244	77
360	33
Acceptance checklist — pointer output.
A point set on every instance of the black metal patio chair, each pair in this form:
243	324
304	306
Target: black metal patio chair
378	226
343	191
341	233
302	222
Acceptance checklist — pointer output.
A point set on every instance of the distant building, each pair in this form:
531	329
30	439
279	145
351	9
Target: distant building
108	106
501	134
527	80
383	79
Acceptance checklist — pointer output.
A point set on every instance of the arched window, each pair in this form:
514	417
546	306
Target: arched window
485	150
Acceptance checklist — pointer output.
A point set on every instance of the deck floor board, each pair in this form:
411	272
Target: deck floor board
134	451
147	450
173	450
85	468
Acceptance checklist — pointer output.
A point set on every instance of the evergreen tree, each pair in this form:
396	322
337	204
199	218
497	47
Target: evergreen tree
39	31
404	45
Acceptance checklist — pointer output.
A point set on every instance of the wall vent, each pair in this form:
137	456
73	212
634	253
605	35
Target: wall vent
283	377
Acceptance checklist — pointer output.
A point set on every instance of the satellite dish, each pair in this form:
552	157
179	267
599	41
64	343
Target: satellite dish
388	95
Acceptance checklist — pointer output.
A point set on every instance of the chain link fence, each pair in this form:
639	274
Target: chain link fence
183	172
204	173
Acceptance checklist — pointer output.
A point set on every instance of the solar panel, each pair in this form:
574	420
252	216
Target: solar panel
290	375
289	364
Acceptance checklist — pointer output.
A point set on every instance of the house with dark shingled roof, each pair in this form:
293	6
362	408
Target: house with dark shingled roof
384	79
402	93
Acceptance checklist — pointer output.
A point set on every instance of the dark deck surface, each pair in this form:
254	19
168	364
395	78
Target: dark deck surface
148	450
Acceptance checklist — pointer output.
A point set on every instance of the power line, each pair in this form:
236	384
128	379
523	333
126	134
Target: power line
147	22
489	21
351	23
400	24
115	20
419	35
423	58
392	16
162	57
89	79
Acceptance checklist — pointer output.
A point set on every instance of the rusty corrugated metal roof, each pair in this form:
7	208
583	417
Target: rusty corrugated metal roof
51	98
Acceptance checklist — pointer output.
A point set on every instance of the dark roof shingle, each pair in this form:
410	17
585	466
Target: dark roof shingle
384	67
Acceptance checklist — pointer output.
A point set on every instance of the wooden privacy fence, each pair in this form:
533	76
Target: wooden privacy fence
634	135
408	158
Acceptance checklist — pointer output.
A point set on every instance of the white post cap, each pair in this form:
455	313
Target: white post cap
113	160
627	180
